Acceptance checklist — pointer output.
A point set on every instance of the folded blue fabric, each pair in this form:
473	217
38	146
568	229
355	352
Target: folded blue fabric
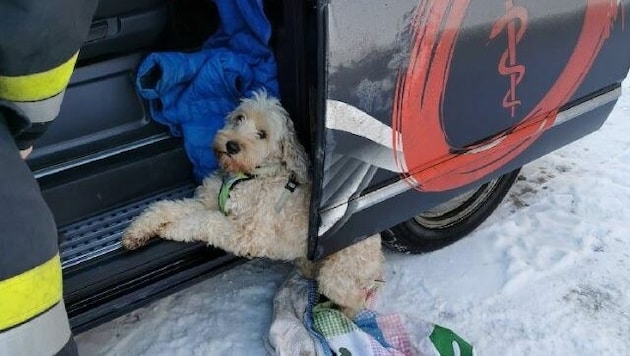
192	93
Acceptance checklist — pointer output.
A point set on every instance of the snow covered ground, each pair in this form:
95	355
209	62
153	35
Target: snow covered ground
547	274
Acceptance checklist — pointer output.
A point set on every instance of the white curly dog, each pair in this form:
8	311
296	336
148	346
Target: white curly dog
258	206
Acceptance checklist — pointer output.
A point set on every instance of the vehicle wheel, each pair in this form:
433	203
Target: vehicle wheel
450	221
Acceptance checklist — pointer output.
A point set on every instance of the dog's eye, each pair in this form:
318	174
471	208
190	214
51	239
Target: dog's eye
239	119
262	134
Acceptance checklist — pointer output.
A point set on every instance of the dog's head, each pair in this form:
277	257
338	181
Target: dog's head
259	133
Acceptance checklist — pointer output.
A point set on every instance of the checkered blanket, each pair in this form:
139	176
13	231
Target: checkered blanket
305	325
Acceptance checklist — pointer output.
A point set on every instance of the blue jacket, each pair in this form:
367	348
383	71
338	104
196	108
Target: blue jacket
192	93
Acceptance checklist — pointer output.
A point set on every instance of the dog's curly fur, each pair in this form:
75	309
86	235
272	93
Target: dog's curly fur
264	144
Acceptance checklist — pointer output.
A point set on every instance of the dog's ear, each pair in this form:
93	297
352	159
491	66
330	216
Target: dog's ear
293	155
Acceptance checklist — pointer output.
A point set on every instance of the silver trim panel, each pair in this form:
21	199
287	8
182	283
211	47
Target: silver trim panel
99	156
589	105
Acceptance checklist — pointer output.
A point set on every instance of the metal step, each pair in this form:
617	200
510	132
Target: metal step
100	234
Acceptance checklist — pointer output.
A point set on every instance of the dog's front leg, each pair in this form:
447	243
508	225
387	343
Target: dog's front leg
208	192
211	227
157	216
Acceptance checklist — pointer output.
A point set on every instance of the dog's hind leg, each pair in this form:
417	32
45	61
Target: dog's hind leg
347	276
155	218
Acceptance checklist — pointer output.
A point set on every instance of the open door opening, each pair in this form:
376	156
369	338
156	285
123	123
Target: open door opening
105	159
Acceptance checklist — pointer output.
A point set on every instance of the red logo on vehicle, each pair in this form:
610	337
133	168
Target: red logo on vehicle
515	22
429	163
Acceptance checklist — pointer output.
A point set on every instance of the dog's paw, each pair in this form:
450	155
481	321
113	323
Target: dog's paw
132	240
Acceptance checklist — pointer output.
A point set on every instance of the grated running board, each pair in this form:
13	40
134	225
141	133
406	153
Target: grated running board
99	235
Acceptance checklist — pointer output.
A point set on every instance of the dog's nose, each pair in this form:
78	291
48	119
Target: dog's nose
232	147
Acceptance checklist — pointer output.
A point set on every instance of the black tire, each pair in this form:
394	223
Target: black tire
451	221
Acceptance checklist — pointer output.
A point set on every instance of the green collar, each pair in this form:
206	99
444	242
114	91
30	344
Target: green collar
229	182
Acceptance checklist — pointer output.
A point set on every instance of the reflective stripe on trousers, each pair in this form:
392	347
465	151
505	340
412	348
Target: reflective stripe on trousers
33	318
46	334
